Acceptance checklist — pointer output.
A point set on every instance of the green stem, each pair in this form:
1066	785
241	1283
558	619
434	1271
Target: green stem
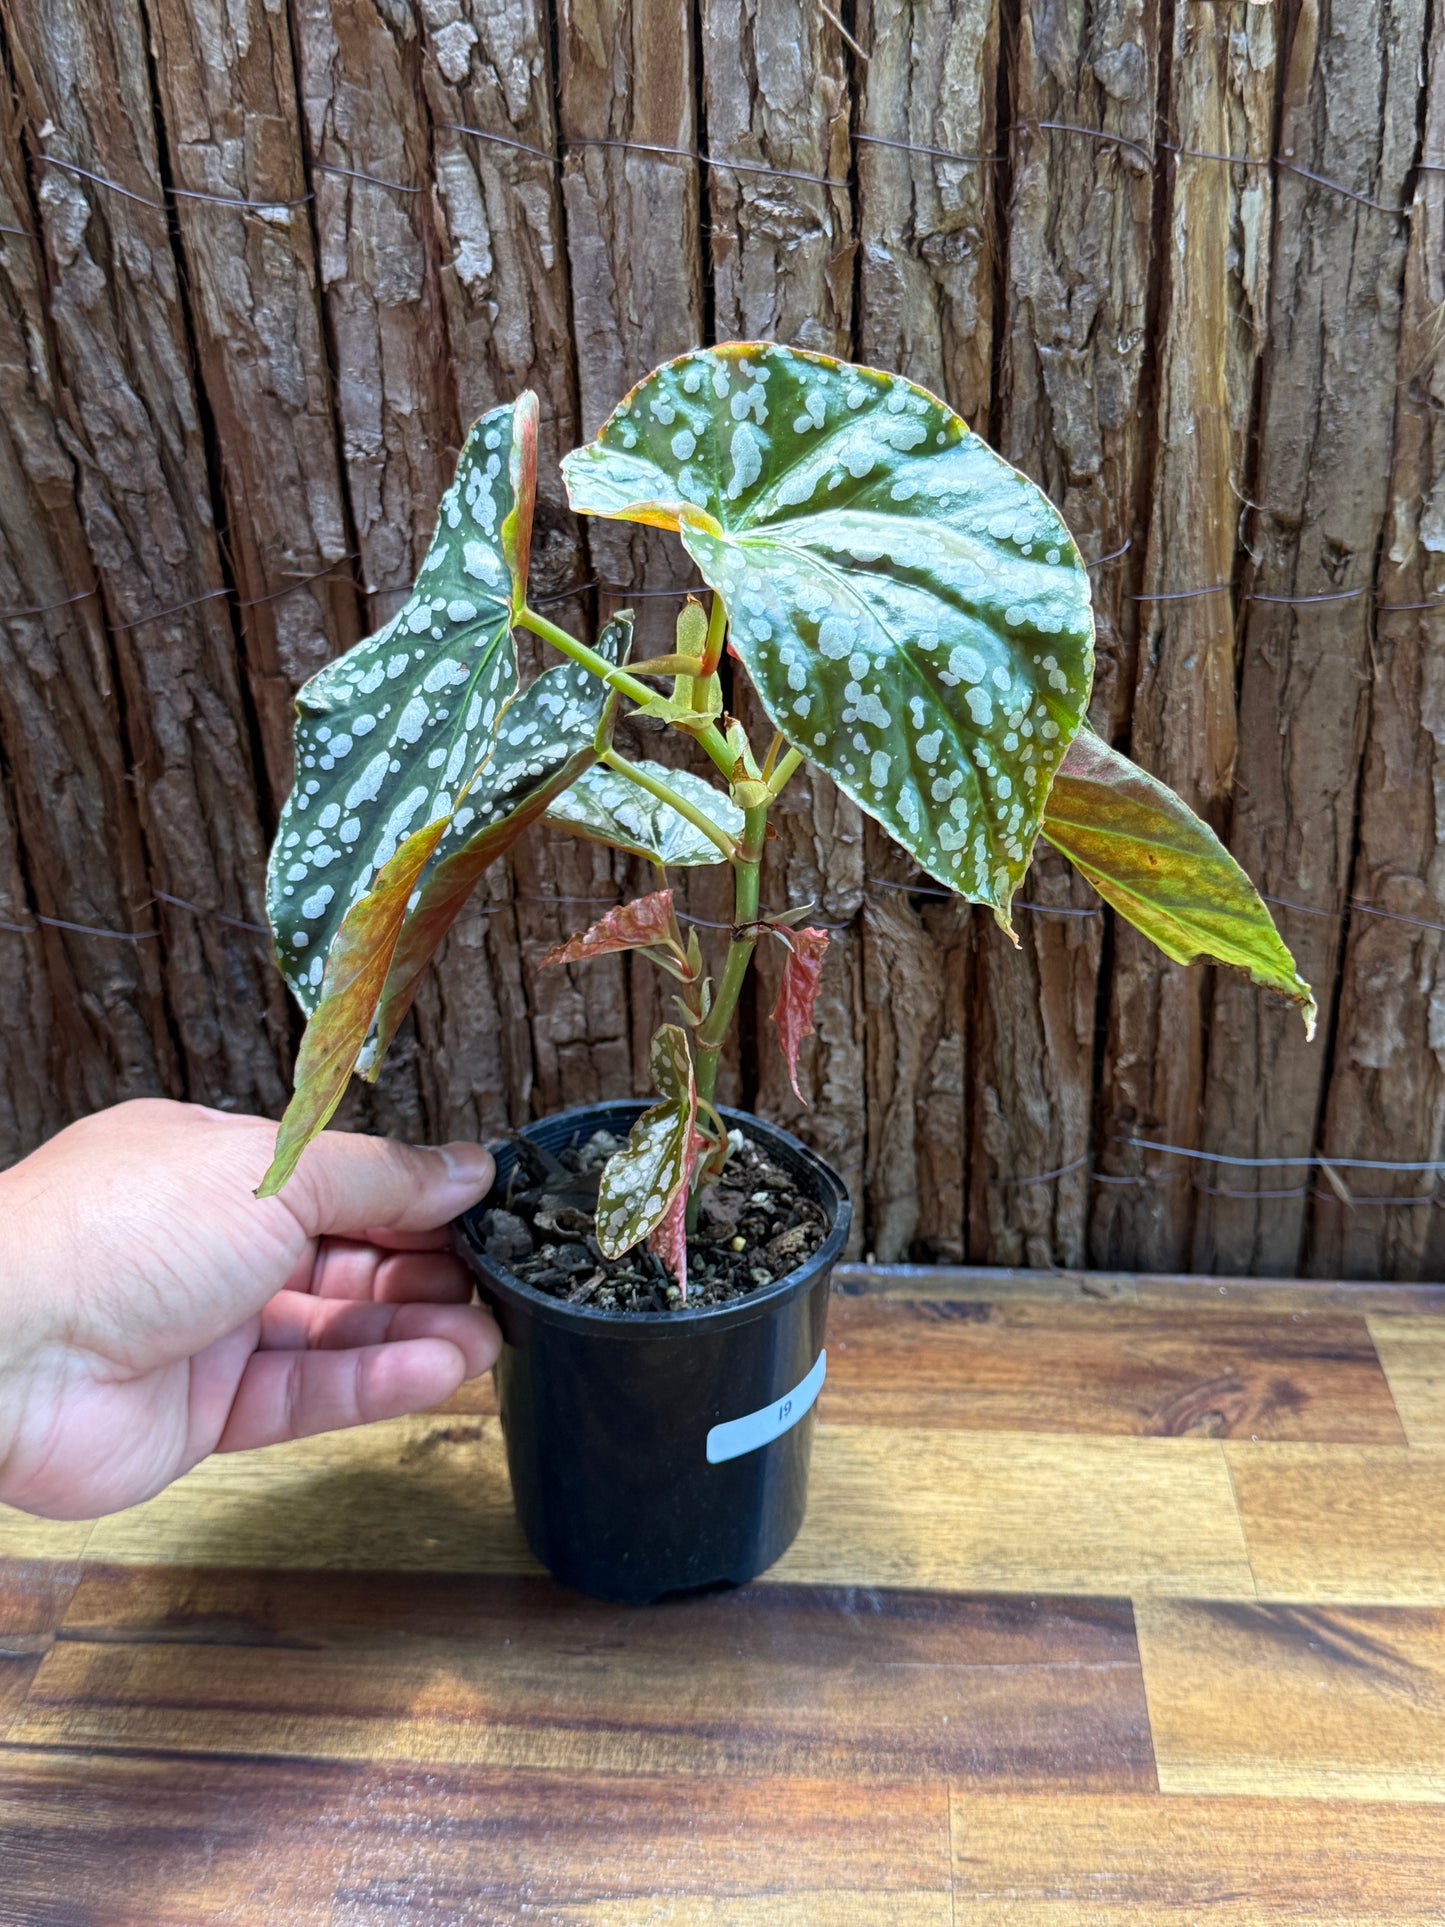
699	819
747	876
717	622
786	766
708	1039
614	677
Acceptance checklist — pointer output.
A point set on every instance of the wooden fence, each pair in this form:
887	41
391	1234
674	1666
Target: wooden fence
1181	260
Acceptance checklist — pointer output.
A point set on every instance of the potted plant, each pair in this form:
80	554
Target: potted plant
914	618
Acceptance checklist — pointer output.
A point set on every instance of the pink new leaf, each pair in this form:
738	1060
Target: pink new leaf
793	1012
631	926
669	1235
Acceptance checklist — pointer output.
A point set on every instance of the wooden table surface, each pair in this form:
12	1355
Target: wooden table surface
1119	1601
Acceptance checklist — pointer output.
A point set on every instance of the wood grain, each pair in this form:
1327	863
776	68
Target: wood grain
1339	1522
89	1023
144	1842
1182	723
1412	1354
129	416
888	1506
1350	112
926	221
1387	1083
1019	1512
1165	1290
769	1680
1110	1368
227	98
1235	1863
1311	1701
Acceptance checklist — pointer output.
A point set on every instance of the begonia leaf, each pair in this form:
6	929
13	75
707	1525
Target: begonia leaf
640	1182
546	741
631	926
797	993
387	938
911	609
610	808
1147	853
391	732
668	1237
356	968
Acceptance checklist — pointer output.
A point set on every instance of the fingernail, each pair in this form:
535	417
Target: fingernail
468	1165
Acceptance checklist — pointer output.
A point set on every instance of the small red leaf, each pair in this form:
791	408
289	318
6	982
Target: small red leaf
631	926
793	1012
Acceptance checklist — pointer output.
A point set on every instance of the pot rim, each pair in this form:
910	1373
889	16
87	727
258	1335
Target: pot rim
661	1324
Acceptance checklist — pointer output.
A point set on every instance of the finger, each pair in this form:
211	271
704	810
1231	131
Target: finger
292	1395
344	1269
295	1321
347	1184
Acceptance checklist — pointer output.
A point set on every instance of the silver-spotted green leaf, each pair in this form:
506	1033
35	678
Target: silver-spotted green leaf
640	1181
546	742
390	733
911	610
610	808
1147	853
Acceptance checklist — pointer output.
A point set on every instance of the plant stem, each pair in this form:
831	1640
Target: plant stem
786	765
747	874
699	819
614	677
717	622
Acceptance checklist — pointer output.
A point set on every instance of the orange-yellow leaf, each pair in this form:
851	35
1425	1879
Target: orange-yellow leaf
1147	853
356	969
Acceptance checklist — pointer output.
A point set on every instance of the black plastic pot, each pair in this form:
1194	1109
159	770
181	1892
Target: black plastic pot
659	1452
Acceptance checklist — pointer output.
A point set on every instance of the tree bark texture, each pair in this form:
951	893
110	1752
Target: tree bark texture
1350	113
262	263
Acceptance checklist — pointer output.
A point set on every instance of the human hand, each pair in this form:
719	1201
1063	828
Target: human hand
152	1310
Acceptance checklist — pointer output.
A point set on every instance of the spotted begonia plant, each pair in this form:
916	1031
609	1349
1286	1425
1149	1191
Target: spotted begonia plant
915	620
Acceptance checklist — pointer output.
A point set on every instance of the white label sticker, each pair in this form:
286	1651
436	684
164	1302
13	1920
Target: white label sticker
746	1434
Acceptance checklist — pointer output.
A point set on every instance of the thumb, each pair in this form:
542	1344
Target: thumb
347	1184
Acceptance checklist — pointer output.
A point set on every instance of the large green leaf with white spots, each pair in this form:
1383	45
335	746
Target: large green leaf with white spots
610	808
911	609
546	739
1147	853
390	733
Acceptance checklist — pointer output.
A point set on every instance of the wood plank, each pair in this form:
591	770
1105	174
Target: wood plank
1166	1290
89	1025
1076	1862
1412	1353
1318	1702
1211	278
133	429
142	1842
1013	1512
1387	1084
785	1681
34	1595
1353	1523
926	222
226	92
888	1506
1320	495
417	1494
1110	1368
1070	412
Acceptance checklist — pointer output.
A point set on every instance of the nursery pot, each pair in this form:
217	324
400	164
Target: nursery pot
659	1452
